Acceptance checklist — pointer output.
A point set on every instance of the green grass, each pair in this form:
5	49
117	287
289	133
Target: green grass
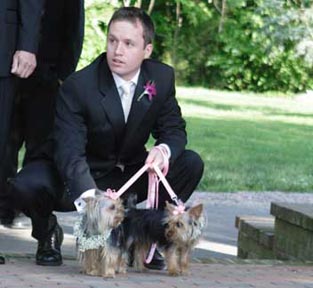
250	142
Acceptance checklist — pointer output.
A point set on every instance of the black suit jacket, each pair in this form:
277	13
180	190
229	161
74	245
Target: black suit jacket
19	29
60	42
90	133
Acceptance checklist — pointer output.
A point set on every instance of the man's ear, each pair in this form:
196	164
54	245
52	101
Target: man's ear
148	50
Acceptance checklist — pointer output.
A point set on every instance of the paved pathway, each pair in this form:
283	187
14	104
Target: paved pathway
23	273
214	261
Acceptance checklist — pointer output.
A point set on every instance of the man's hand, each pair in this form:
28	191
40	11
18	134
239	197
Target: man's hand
24	64
156	157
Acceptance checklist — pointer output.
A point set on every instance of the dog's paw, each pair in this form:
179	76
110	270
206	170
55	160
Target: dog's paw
121	270
184	273
93	273
108	275
173	272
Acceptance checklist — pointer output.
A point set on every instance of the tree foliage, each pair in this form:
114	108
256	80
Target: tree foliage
258	48
257	45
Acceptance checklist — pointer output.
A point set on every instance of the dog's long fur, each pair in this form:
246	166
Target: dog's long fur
104	215
175	233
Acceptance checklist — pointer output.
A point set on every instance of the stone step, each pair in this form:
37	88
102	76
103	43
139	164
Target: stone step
293	231
255	237
297	214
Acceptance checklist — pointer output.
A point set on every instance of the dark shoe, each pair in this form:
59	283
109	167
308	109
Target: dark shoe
48	256
157	262
49	250
2	260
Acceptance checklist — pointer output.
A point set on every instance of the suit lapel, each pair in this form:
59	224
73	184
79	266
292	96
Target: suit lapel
111	101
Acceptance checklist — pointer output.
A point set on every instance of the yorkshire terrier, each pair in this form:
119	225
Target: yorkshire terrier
175	232
100	237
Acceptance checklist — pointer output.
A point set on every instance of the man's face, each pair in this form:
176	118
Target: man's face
126	49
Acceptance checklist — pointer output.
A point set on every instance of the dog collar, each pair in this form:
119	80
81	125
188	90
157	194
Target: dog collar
91	242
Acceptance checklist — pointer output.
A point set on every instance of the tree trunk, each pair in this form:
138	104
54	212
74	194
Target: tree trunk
151	5
223	15
138	3
126	3
176	32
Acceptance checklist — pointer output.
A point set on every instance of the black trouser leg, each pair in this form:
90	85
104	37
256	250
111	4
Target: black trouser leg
7	94
37	191
31	122
18	123
37	103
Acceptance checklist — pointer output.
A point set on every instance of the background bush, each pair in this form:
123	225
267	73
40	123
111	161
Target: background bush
255	45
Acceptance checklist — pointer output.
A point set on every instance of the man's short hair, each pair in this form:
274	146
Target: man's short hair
134	14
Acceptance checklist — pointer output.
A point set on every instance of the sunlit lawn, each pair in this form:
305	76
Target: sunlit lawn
250	142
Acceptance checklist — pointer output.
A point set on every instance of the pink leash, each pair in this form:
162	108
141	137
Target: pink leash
114	195
155	175
153	192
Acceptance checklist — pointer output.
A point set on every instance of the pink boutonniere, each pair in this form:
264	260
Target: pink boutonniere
150	90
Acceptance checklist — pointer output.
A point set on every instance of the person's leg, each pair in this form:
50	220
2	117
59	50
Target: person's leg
16	139
32	102
7	94
36	190
38	102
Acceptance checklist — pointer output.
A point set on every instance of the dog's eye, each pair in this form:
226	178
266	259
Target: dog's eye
112	207
192	222
179	224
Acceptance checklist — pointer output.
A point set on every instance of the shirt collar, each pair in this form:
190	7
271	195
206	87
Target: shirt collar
119	81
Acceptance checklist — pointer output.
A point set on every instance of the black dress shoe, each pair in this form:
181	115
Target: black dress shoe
2	260
157	262
49	250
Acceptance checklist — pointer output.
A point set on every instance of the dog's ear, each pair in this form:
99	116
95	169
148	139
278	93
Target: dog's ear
88	199
196	211
169	207
98	192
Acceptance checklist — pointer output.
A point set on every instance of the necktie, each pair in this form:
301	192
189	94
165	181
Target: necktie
126	98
